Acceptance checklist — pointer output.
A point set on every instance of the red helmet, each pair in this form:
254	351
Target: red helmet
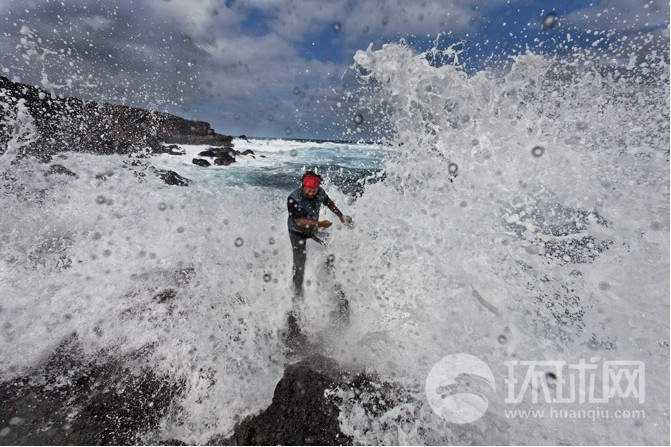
311	180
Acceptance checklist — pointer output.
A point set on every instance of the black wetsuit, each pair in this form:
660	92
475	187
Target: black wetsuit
300	207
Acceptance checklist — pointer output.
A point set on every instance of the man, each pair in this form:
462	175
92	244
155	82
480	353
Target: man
304	205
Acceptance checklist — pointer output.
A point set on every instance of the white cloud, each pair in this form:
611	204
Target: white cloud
97	22
297	20
195	52
198	19
621	15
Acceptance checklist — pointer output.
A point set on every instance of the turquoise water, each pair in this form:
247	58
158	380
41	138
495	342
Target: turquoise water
279	164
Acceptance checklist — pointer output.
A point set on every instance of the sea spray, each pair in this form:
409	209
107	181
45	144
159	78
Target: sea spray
522	215
129	263
562	184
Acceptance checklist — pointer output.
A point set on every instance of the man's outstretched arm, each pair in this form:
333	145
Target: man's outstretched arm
309	223
332	206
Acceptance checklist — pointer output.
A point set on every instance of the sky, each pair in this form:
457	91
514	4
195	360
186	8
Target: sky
272	68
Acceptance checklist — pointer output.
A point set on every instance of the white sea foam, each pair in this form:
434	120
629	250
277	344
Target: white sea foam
562	249
282	145
566	254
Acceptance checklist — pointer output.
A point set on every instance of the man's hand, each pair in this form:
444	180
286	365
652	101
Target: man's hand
324	223
345	220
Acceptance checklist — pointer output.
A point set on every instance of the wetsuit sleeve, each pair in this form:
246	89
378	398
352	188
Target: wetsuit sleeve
294	208
323	197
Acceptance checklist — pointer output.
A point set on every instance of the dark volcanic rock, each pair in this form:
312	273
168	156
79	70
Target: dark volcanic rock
224	156
72	400
223	161
208	153
69	124
200	162
173	178
165	296
299	413
171	149
220	152
59	169
140	169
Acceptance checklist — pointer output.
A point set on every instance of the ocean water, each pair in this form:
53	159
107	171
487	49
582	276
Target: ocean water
519	214
278	164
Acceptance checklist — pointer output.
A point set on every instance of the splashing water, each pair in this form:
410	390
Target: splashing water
527	253
470	236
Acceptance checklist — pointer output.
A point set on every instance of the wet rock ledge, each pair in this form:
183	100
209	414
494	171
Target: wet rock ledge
120	400
70	124
71	400
299	414
51	124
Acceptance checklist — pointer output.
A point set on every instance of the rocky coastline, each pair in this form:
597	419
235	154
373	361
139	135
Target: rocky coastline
43	124
73	398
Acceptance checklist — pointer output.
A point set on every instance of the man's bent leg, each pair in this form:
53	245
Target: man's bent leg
298	249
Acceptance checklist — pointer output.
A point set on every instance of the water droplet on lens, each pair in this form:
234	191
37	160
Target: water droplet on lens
107	253
551	379
604	285
337	27
162	206
297	91
287	130
550	20
100	200
538	151
180	229
95	236
366	28
271	241
452	168
358	119
293	152
239	241
463	204
236	116
385	21
267	277
532	249
17	420
331	258
502	339
505	44
593	345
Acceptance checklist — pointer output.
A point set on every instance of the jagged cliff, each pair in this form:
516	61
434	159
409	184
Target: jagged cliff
60	123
